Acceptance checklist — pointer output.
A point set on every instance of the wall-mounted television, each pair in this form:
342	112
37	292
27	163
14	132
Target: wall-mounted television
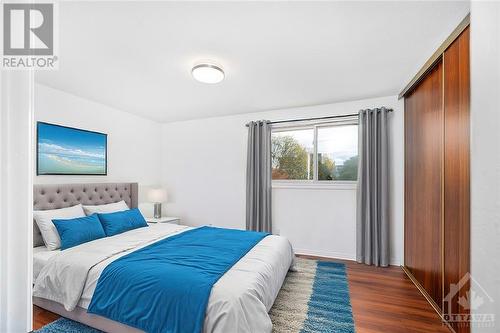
63	150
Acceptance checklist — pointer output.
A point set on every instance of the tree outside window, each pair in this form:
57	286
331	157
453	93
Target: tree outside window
336	146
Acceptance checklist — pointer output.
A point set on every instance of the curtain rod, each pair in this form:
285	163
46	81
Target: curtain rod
317	118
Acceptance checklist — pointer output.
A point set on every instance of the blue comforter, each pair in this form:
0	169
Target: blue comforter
165	286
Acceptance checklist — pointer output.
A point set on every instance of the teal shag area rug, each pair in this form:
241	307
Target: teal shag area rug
314	299
63	325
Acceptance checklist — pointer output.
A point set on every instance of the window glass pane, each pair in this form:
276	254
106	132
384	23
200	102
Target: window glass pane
338	152
292	154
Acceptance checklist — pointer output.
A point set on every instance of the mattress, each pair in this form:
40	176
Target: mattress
41	256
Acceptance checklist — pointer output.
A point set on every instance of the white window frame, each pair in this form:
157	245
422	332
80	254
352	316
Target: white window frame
314	183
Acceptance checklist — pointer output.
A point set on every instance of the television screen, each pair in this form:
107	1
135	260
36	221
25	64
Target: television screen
65	150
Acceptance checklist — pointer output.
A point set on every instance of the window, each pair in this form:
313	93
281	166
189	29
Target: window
338	152
316	153
293	154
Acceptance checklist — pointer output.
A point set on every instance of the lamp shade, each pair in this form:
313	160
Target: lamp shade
157	195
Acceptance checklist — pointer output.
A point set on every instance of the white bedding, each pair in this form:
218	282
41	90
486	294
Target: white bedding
41	256
239	301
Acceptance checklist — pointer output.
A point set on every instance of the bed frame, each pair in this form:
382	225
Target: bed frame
60	196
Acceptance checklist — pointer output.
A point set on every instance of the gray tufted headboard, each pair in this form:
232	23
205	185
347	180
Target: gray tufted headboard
66	195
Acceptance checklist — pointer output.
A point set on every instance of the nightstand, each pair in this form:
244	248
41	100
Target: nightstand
164	219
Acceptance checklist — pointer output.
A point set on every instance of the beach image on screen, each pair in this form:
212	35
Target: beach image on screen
63	150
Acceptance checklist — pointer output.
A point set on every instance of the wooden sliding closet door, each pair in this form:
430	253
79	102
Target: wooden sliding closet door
437	179
456	169
423	182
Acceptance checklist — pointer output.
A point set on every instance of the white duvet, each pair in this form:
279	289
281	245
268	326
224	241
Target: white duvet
239	301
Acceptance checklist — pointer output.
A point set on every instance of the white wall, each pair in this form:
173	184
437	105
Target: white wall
204	165
16	201
485	156
133	142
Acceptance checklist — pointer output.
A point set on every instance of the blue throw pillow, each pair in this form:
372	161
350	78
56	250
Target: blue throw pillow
118	222
79	230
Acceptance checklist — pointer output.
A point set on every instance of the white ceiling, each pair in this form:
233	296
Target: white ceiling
137	56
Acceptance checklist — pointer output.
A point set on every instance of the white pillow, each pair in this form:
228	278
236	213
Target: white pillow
109	208
48	230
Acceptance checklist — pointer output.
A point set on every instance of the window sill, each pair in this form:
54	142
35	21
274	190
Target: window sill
315	185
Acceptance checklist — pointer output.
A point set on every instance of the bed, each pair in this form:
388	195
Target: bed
239	301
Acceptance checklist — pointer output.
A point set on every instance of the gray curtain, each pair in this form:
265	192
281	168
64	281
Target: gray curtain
372	234
258	210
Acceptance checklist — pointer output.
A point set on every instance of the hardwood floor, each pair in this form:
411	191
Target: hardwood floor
383	300
42	317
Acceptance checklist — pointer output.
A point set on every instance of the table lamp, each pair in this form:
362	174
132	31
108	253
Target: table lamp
157	196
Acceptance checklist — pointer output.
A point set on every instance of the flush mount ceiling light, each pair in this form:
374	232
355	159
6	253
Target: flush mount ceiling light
208	73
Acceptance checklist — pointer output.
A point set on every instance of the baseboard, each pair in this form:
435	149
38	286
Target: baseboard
326	254
339	255
395	262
